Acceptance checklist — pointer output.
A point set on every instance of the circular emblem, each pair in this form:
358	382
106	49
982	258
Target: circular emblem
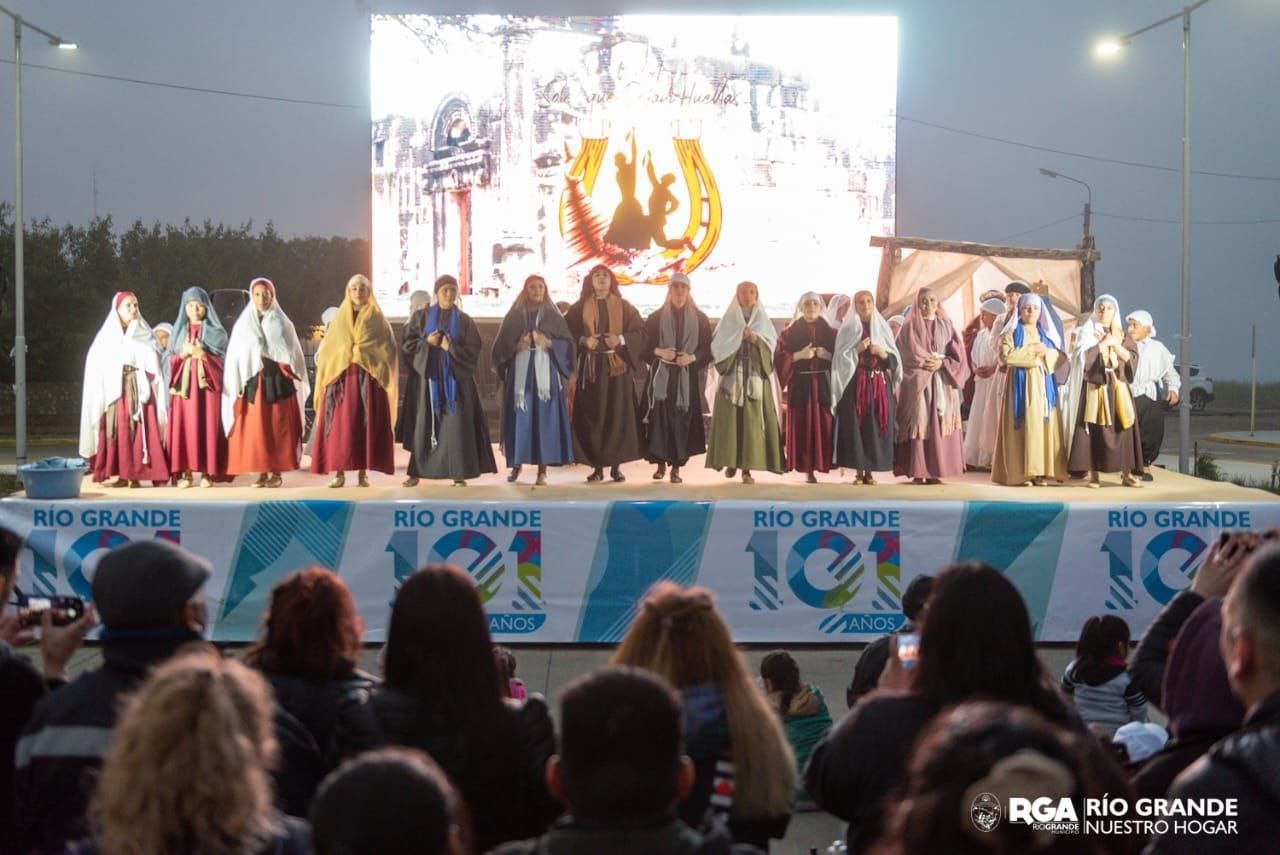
985	812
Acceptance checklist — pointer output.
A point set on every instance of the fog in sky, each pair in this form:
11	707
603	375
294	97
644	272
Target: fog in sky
1016	70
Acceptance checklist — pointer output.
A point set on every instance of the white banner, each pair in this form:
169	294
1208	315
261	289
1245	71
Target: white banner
573	571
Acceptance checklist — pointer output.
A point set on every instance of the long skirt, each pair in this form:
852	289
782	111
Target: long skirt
266	437
136	450
353	426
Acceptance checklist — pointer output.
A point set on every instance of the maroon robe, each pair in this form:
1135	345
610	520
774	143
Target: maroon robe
121	455
196	440
934	455
806	389
353	426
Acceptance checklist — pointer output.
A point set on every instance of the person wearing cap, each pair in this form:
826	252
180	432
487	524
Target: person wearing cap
450	434
968	335
802	359
678	338
355	390
610	337
264	390
984	410
149	597
1155	384
125	406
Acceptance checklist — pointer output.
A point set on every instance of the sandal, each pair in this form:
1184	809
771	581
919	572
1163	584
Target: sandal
206	481
339	479
409	482
731	471
185	482
811	478
675	475
515	474
746	477
660	472
275	480
596	475
458	482
541	480
363	478
616	474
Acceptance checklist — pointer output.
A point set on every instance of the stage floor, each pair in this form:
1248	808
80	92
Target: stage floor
568	484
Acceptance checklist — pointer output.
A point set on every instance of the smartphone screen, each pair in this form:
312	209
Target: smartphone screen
908	649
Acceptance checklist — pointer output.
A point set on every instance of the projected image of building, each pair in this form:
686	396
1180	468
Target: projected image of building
726	148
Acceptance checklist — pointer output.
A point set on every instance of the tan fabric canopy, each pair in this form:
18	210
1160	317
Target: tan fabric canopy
959	273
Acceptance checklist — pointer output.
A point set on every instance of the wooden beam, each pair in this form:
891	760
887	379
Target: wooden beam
984	249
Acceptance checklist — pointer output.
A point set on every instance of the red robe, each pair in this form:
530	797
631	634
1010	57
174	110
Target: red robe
267	435
196	440
353	426
806	390
121	455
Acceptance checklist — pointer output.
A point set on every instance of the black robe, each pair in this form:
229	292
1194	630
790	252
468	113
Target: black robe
1106	449
860	444
410	380
673	435
452	445
606	425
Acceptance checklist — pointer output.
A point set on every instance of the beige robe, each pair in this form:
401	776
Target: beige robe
1034	450
984	412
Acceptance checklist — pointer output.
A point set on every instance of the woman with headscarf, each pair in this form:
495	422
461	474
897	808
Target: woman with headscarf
802	359
678	350
1029	448
930	443
197	347
124	409
984	410
744	418
610	337
1156	385
264	390
1104	362
451	434
837	310
865	372
356	388
969	335
162	334
533	355
410	384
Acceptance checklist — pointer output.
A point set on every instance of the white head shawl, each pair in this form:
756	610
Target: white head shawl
1044	324
254	340
806	297
994	306
844	361
1143	317
112	350
728	335
165	328
832	312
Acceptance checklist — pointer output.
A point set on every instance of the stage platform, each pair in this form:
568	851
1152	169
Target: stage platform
790	562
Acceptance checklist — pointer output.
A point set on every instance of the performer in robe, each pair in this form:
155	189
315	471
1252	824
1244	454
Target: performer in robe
410	382
744	418
533	355
162	334
1029	448
1104	361
678	349
610	338
802	360
865	372
1156	386
264	390
197	444
984	411
930	443
355	390
837	310
124	410
451	434
968	336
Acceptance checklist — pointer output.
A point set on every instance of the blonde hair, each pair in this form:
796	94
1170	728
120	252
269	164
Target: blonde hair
188	766
679	635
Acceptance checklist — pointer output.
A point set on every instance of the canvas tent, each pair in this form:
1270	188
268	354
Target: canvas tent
960	272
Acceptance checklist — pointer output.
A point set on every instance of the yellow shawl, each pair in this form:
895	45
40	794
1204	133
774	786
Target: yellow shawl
362	338
1098	403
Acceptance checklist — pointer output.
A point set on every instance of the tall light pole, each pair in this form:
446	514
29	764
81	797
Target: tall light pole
1114	46
19	283
1086	243
1088	205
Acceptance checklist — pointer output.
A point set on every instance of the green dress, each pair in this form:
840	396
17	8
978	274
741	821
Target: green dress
746	436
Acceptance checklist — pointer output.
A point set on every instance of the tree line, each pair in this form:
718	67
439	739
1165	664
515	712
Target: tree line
71	273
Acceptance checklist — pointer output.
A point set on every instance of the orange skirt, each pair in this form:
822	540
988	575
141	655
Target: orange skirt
266	437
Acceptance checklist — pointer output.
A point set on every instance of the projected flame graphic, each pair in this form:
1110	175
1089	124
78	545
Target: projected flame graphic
725	147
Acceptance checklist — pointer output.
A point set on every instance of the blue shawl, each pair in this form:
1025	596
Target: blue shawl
213	335
444	388
1020	386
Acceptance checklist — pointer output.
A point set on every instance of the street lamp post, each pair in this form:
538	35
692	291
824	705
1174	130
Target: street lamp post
19	282
1086	244
1114	46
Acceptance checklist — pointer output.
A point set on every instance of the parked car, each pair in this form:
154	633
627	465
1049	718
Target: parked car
1199	389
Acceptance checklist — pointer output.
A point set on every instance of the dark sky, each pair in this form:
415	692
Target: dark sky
1018	70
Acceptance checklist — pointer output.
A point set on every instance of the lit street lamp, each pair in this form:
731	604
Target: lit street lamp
19	290
1086	244
1111	47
